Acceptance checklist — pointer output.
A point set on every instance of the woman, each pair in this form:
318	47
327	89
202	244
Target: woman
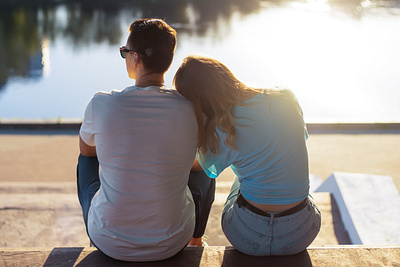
261	135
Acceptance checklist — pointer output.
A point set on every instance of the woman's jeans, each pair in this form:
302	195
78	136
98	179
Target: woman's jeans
259	235
201	186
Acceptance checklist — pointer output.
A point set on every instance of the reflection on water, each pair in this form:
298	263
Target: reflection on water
25	27
335	54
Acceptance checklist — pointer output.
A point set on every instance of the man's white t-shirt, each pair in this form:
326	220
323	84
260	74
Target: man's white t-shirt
146	141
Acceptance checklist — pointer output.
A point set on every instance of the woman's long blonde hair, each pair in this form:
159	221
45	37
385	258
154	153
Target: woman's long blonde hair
213	90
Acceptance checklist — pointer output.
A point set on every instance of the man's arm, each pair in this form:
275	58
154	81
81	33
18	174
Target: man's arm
86	150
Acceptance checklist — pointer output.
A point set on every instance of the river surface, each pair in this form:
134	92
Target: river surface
340	58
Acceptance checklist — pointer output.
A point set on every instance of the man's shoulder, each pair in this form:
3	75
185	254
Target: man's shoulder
173	93
148	91
101	94
141	96
159	94
108	96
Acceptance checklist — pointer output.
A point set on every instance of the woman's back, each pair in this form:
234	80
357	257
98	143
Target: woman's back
270	159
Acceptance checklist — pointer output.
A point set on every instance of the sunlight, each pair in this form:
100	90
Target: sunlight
191	14
328	60
366	4
46	56
314	5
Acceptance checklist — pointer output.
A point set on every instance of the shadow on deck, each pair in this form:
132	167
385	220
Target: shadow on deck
207	256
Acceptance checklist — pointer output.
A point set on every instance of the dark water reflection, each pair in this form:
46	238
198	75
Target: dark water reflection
24	24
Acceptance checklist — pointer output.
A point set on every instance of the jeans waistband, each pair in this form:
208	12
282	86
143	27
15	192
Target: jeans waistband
242	202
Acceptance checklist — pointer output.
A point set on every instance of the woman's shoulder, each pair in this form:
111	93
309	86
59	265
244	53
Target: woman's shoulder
280	93
283	97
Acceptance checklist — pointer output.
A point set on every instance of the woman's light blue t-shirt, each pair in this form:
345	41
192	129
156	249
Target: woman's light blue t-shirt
270	159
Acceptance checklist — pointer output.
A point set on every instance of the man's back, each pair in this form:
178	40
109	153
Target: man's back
146	141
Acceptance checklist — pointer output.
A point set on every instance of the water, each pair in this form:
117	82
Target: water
339	57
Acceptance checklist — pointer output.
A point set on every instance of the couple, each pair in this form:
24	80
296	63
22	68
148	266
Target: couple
149	156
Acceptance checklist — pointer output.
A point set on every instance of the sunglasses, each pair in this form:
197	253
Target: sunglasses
124	51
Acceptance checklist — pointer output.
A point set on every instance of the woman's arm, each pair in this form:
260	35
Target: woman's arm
196	166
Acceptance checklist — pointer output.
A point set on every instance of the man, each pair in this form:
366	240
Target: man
138	206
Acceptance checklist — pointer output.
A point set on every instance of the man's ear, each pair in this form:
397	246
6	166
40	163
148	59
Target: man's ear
136	59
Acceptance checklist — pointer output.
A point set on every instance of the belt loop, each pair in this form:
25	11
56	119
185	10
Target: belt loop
239	200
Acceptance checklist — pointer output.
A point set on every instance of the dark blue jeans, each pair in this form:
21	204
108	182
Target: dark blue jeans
201	186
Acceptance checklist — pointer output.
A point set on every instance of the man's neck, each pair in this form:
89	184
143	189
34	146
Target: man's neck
150	79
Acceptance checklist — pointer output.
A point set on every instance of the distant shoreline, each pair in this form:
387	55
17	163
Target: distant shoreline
313	128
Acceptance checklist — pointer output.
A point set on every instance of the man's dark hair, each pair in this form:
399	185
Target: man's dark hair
155	41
